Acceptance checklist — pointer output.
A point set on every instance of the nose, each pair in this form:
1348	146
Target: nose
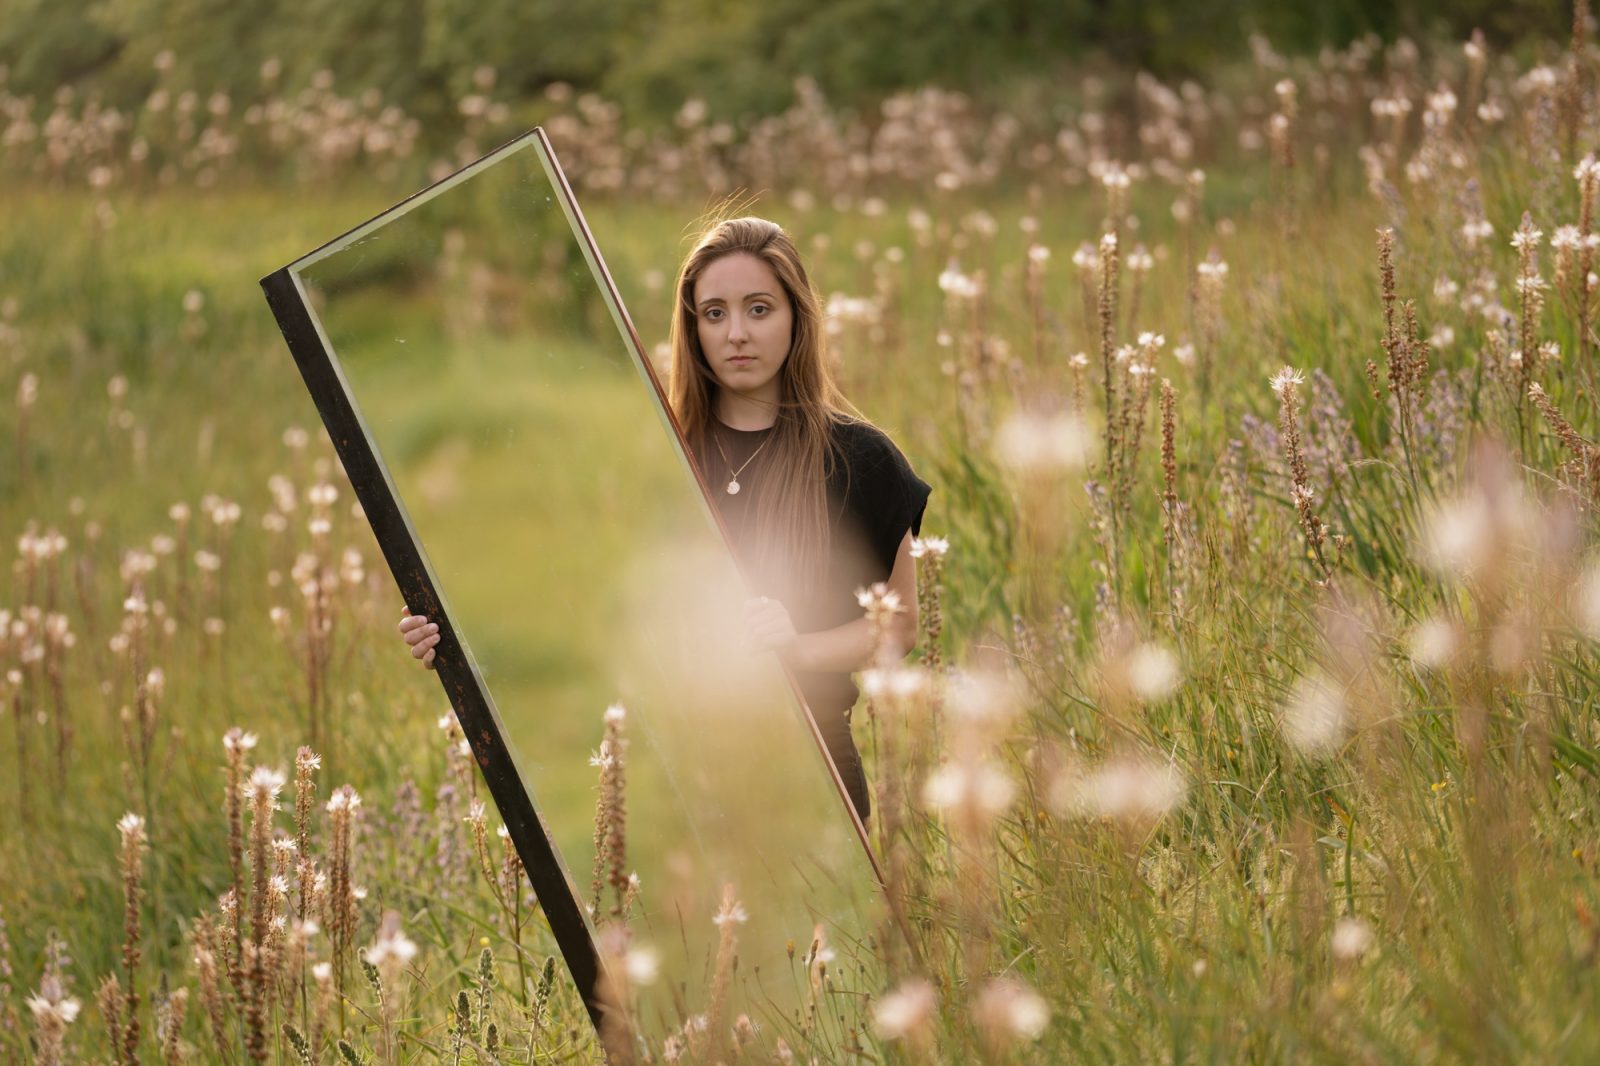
736	331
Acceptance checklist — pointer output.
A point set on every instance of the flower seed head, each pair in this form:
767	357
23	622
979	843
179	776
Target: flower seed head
907	1012
1352	938
1315	717
131	826
1286	377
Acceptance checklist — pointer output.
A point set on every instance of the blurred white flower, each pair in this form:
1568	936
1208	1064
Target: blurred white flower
1153	672
1130	788
879	597
643	965
1433	643
1315	718
1042	442
1527	236
906	1012
982	789
730	911
982	697
958	285
264	782
52	1008
1286	377
234	740
1462	535
1352	938
1007	1009
131	826
896	682
344	798
392	947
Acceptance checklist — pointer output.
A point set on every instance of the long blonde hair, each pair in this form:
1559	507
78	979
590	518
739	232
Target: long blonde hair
791	516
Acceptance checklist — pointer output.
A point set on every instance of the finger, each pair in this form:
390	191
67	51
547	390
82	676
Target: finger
766	610
769	635
427	660
421	633
412	621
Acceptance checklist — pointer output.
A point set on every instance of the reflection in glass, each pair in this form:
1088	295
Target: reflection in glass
581	568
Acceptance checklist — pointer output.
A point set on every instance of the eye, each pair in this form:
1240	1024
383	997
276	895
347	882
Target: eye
759	309
712	314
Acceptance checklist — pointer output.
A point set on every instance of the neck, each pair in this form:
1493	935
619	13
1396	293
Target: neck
738	410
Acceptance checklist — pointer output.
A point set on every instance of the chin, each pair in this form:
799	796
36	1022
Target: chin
745	383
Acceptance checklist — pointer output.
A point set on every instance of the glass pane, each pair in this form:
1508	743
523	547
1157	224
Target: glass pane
582	567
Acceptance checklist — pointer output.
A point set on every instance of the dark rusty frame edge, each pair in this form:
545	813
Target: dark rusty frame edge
473	709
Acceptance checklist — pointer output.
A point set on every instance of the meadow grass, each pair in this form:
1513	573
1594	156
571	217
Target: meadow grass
1288	753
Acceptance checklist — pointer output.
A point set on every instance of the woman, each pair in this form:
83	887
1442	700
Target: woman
818	501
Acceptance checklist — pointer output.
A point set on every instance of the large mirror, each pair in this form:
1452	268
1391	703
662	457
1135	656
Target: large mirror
509	442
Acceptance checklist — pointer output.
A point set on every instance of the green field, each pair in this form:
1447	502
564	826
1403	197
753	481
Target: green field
1295	749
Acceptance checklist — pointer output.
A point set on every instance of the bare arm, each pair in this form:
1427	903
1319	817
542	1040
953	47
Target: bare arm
847	648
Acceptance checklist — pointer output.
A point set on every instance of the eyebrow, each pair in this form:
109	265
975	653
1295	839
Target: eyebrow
709	300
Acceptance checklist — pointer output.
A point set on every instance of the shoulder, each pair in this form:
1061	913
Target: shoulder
863	445
873	466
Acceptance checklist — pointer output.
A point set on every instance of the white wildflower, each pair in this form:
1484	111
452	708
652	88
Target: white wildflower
1315	717
1433	643
1038	442
643	965
1008	1009
1352	938
1131	788
1153	672
1284	378
906	1012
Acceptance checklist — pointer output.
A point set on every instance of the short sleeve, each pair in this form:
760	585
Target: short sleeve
886	495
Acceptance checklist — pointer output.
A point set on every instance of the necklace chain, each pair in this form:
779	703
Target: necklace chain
733	475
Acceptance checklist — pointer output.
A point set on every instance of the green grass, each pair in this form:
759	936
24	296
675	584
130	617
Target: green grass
1457	820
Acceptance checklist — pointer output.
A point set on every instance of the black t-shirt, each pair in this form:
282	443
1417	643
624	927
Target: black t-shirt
873	496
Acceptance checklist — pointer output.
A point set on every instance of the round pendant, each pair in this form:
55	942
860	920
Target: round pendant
733	488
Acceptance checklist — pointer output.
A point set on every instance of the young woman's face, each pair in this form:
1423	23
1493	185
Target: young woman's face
744	322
